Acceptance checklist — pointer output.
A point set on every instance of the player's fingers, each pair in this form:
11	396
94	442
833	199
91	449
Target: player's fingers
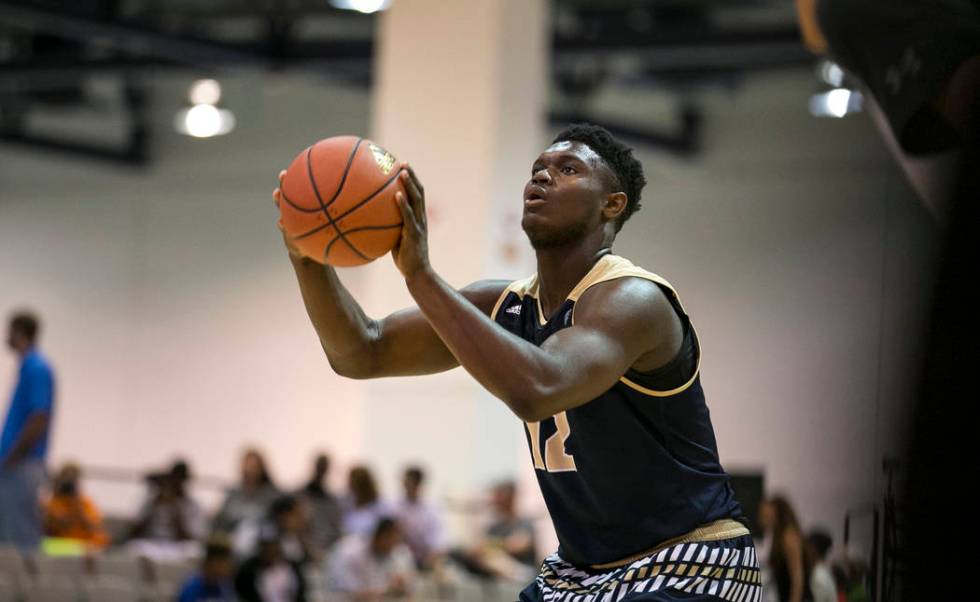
415	179
282	176
408	216
423	215
416	196
277	196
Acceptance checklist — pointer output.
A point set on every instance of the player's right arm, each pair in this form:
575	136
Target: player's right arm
357	346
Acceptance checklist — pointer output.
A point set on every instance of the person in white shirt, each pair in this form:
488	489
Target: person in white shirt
421	521
822	584
373	567
363	507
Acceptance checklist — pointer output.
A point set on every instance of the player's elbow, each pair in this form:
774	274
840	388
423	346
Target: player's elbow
530	405
355	366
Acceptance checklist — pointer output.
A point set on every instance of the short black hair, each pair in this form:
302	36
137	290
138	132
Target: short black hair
385	525
617	156
217	547
284	504
416	473
821	542
27	324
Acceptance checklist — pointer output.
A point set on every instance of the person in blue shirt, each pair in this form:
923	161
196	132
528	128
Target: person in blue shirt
214	582
24	439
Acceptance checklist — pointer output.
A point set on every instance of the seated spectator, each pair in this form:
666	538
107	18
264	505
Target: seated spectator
289	515
375	566
420	521
363	508
268	576
508	550
245	507
785	556
822	583
70	514
169	514
326	517
214	582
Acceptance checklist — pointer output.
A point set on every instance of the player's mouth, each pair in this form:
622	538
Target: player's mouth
534	197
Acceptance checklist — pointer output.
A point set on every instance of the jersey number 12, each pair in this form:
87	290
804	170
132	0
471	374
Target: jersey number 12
554	458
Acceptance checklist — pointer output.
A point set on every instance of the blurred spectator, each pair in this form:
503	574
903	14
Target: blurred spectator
818	544
508	550
421	523
855	577
375	566
71	514
24	439
785	556
326	517
246	506
214	582
289	515
363	507
169	514
268	576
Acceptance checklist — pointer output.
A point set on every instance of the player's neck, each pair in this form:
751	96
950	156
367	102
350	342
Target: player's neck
561	268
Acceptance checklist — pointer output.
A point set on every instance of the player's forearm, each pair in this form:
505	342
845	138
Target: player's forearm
515	371
346	333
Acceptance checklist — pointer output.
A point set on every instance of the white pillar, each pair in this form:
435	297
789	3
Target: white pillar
460	92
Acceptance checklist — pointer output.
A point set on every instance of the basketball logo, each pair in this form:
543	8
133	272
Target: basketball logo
384	159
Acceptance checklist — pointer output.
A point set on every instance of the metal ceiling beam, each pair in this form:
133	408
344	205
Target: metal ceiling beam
132	37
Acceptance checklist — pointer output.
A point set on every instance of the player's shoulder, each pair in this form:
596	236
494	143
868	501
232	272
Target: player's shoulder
485	293
620	288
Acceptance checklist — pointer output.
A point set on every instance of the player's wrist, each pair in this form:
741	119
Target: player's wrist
422	275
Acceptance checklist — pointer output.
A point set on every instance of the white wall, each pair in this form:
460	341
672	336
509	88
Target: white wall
170	311
175	325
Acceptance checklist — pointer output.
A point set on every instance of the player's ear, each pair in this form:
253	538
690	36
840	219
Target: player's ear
613	205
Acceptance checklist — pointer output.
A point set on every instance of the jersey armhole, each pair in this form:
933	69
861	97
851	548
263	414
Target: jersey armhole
674	302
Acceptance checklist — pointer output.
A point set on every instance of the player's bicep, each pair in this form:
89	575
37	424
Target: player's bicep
407	345
588	360
615	324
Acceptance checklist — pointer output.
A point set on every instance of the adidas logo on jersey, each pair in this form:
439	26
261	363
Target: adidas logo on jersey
514	309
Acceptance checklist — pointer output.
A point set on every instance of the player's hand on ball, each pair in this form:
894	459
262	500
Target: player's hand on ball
411	254
277	198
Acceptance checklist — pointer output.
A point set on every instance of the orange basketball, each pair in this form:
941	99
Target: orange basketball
338	201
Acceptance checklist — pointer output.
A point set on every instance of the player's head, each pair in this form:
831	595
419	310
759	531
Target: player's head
22	331
586	182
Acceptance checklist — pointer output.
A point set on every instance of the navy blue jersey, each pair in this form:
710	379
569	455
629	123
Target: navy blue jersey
632	468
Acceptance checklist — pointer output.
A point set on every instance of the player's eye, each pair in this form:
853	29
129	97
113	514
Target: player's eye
568	169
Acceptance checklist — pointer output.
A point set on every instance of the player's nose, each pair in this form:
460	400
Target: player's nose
541	177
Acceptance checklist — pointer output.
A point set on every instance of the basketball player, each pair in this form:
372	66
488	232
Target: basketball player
598	358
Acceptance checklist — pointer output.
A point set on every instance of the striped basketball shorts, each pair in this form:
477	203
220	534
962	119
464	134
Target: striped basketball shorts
726	569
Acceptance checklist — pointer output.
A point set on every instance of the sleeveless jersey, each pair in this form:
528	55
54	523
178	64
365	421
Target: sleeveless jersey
633	467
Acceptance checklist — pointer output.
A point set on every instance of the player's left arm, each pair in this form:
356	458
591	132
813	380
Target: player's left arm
616	323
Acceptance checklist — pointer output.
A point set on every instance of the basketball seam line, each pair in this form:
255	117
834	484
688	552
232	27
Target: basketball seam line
362	228
282	191
316	191
352	209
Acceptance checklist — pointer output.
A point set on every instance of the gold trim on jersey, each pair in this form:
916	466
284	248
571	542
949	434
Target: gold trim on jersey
609	267
520	287
612	267
725	528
